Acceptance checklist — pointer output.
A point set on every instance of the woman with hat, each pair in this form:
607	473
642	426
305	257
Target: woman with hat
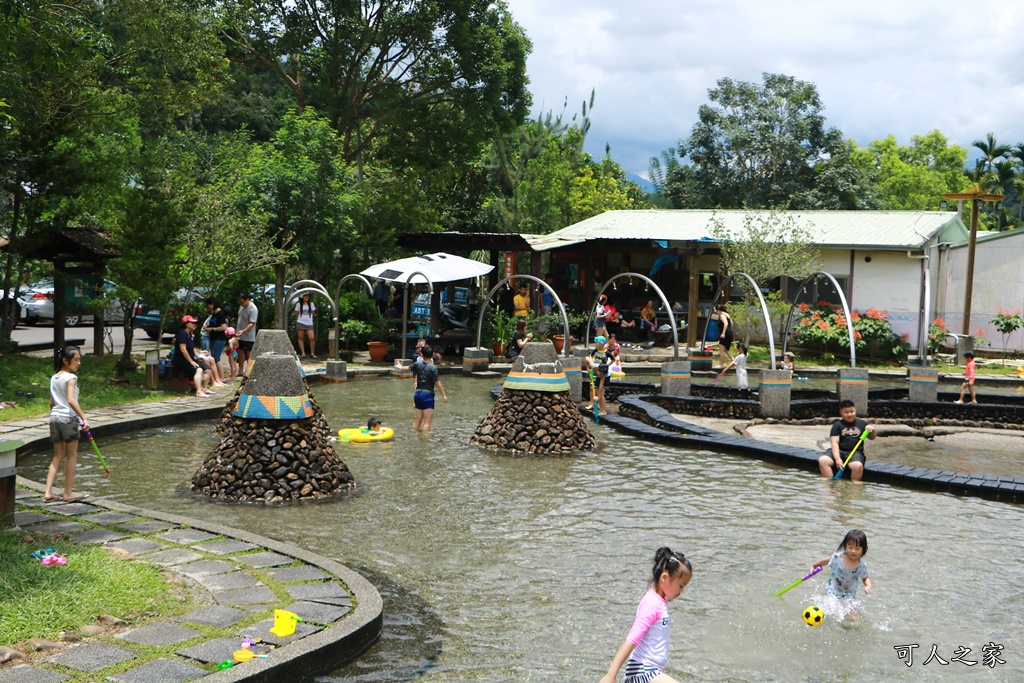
185	355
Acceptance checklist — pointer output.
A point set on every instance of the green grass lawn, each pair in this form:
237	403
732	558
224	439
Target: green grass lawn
19	372
40	602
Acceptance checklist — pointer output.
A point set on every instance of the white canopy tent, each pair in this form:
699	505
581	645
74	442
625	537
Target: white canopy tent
429	269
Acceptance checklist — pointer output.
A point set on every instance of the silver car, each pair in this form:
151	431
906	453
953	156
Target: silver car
38	305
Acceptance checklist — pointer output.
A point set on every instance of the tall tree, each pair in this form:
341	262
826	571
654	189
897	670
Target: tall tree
991	152
763	146
421	77
915	176
541	180
304	191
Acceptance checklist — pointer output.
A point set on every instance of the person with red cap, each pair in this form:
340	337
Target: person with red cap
185	355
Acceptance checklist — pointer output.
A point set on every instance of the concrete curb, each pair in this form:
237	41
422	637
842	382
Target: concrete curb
639	416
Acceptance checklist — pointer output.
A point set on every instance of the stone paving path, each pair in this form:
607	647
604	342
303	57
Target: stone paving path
243	581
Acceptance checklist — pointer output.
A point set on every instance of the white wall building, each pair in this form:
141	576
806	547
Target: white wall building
909	263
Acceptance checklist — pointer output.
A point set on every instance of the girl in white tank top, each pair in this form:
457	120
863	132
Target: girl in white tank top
65	416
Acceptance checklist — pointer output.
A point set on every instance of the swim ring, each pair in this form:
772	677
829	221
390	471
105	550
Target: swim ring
362	435
616	371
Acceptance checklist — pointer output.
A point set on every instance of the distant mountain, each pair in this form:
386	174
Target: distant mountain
646	184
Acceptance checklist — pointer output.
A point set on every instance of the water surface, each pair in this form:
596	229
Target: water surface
503	568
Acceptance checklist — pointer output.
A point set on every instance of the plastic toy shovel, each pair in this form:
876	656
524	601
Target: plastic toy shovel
88	435
798	581
839	472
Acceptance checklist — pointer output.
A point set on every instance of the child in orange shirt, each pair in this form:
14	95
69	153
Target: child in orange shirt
968	379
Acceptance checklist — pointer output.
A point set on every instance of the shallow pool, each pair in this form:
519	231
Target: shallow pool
503	568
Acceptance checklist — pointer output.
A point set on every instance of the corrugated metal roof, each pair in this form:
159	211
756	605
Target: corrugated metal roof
550	241
848	229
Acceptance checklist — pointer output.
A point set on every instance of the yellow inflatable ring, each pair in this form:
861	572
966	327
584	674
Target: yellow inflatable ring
360	435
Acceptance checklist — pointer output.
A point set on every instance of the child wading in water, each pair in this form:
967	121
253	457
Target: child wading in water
739	362
968	379
847	567
65	416
645	650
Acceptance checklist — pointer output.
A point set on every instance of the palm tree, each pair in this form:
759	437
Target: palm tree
1017	156
991	151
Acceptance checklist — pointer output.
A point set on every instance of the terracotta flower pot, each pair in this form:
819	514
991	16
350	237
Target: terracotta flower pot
499	348
559	341
378	350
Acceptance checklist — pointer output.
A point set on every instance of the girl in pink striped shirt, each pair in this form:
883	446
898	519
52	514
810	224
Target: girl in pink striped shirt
645	650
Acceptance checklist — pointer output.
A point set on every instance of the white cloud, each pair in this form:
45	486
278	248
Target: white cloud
881	67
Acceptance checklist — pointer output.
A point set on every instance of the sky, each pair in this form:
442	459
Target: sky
902	67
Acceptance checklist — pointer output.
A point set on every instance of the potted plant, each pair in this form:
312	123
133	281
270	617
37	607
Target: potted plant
503	326
379	349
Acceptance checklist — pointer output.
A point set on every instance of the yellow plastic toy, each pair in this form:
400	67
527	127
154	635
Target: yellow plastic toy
616	371
245	655
284	623
363	435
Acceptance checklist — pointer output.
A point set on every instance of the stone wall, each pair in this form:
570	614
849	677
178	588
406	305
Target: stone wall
534	422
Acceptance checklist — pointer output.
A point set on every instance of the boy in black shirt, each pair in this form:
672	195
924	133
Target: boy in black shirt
844	436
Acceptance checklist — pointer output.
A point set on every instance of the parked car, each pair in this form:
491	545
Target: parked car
147	318
38	304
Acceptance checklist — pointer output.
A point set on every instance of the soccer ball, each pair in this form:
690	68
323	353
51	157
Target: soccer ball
813	616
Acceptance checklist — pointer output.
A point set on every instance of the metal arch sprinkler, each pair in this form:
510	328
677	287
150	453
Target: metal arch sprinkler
405	301
554	297
661	295
764	312
846	314
353	276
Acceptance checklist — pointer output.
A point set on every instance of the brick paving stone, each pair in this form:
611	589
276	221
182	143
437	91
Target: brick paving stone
30	674
159	634
110	517
245	596
62	527
317	591
213	615
97	536
186	536
34	502
261	630
21	494
92	656
159	671
166	558
27	518
294	574
137	546
147	526
70	509
216	650
231	580
318	612
225	547
205	567
267	559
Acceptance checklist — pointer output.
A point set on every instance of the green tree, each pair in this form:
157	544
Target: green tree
87	82
762	146
541	180
991	152
428	79
912	177
303	192
768	246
